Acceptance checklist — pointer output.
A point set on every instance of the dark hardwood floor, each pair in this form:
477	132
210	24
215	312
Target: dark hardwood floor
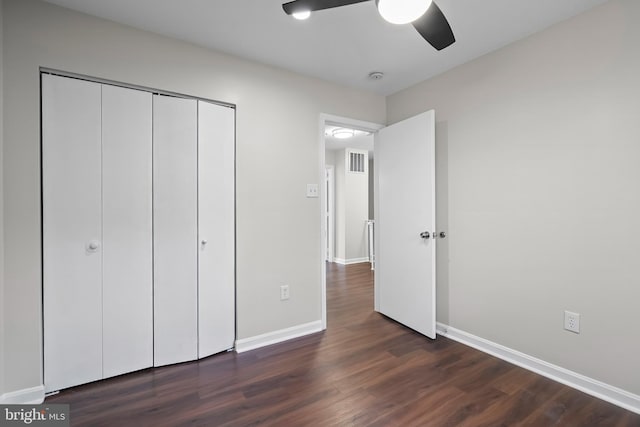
365	370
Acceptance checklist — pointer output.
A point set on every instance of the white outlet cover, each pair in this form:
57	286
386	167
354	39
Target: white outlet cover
284	292
572	321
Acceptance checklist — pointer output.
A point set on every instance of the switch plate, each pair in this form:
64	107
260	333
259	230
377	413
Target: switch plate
312	190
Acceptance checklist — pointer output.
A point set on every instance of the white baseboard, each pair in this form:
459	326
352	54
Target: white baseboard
350	261
595	388
275	337
27	396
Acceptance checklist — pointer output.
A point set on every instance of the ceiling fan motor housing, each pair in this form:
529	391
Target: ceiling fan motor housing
431	23
402	11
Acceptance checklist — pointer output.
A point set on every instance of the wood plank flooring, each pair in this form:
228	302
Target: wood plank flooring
364	370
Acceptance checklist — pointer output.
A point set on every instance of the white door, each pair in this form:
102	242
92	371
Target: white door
216	228
405	209
175	216
97	231
127	233
72	235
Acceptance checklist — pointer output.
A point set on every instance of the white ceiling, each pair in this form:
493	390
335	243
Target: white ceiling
341	45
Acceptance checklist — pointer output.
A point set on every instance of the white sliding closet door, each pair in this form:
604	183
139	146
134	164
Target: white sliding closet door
127	232
175	190
72	212
216	223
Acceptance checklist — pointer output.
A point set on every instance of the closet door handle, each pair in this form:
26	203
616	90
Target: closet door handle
204	242
93	246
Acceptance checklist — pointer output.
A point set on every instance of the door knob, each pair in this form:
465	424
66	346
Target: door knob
442	235
93	246
204	242
425	235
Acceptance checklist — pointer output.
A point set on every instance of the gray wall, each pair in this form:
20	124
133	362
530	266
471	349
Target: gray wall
537	164
351	201
277	155
330	157
356	194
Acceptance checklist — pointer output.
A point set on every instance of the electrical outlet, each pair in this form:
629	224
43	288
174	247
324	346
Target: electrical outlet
572	321
284	292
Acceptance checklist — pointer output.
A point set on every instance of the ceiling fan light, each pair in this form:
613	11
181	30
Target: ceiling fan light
343	133
402	11
302	15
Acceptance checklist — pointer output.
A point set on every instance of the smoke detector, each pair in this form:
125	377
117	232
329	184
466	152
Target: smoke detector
376	75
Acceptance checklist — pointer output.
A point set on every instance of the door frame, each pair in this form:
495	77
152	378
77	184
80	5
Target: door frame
330	175
324	120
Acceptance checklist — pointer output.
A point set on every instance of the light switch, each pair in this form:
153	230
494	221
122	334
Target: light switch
312	190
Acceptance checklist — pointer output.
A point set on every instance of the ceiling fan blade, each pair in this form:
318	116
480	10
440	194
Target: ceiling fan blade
435	28
313	5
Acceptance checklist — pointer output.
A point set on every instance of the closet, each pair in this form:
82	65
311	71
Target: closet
138	229
175	202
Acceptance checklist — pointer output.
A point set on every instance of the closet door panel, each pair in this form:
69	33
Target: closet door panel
127	230
175	183
216	198
72	252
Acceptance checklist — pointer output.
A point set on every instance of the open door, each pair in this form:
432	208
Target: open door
405	223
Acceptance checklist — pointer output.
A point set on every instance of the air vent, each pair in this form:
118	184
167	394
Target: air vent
357	161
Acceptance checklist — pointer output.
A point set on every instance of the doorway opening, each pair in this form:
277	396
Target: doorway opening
346	153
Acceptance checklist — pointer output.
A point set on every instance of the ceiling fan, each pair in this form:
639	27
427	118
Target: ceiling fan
425	16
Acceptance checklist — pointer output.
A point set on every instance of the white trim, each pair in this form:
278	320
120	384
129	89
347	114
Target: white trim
26	396
330	119
588	385
376	216
275	337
